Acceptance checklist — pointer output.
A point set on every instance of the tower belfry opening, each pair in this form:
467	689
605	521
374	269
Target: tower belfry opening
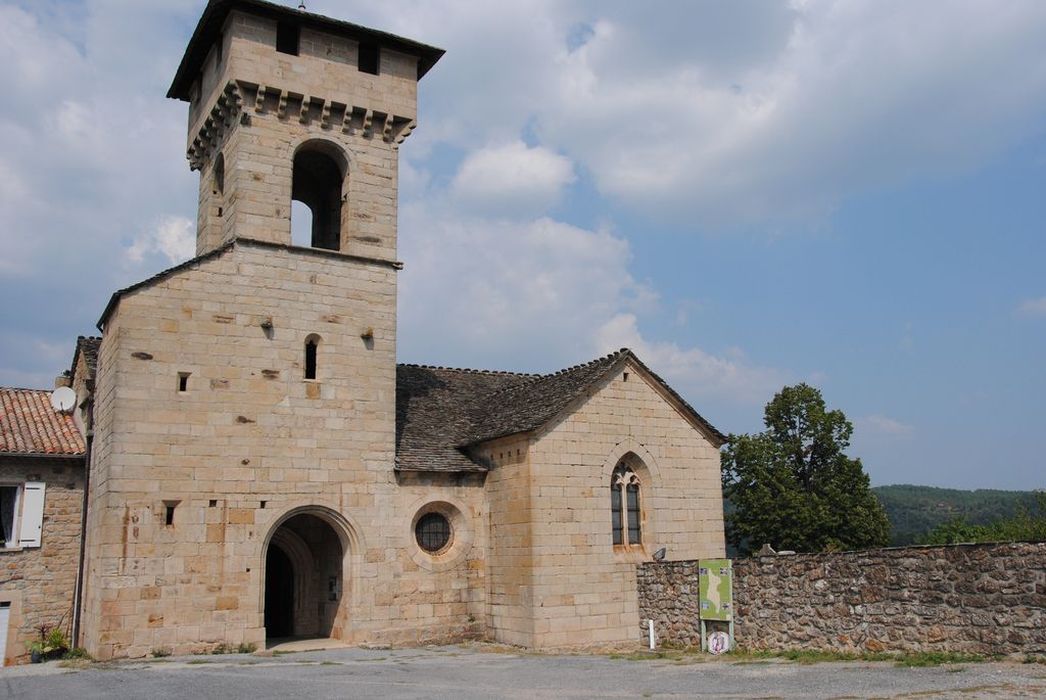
317	183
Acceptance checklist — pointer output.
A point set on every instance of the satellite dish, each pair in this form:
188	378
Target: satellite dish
659	555
63	399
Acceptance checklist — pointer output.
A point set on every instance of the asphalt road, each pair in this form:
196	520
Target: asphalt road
463	673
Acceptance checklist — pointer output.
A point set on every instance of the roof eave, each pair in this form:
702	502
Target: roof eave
44	455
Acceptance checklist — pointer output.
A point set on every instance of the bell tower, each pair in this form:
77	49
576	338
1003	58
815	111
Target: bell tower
285	105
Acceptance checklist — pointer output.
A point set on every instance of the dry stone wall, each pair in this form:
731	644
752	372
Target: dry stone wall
976	598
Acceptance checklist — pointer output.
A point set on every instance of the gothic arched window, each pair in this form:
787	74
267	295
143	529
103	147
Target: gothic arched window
625	515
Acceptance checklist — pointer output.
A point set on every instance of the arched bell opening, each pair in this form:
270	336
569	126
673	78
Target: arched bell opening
317	189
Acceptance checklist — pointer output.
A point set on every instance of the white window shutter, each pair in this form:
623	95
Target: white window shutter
32	513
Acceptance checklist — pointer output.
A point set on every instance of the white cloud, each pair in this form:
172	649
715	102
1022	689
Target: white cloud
737	113
1033	307
884	426
512	178
526	290
173	237
692	371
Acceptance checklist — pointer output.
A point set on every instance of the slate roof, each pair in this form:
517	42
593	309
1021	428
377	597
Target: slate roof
441	412
30	426
434	414
88	345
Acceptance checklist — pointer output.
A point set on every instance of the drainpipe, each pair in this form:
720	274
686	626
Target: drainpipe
79	590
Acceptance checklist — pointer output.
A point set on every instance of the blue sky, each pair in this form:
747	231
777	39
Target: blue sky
748	194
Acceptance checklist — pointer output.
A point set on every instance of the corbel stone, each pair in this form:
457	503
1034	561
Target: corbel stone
405	130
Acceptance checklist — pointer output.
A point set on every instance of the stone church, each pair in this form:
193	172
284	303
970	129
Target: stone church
252	462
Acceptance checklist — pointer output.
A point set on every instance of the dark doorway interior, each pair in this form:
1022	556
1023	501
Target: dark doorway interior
279	594
303	580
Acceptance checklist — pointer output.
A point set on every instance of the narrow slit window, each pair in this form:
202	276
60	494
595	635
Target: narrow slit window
219	175
183	382
312	344
368	58
169	513
287	36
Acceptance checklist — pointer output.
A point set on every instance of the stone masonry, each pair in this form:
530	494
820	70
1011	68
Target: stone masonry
39	582
974	598
261	464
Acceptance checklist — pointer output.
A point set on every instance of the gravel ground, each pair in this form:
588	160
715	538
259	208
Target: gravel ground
465	672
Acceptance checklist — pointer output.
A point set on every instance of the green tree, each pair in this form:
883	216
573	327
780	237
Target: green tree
793	486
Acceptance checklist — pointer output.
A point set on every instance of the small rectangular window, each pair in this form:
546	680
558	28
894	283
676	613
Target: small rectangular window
287	36
168	515
183	382
368	58
8	516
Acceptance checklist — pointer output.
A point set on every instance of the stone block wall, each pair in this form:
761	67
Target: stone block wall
974	598
583	585
39	582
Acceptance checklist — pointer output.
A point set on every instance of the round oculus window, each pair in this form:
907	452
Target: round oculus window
433	532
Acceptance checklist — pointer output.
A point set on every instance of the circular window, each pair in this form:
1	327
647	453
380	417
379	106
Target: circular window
433	532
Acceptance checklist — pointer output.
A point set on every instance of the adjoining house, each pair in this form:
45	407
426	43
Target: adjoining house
41	507
260	466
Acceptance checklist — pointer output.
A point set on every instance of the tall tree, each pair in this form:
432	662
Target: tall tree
793	486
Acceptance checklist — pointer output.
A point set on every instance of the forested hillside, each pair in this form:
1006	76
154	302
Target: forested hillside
915	510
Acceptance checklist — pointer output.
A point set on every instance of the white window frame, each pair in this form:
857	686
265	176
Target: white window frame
28	533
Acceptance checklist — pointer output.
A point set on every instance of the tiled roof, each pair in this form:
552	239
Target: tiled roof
441	412
88	345
30	426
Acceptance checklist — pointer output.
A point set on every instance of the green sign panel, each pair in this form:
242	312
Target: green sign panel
717	589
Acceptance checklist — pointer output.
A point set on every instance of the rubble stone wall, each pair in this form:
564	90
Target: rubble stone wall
37	584
975	598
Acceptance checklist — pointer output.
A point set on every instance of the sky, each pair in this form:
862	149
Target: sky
748	194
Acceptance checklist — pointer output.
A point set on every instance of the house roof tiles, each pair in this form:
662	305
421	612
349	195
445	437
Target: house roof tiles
30	426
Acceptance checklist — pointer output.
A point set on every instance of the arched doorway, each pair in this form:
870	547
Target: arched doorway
303	579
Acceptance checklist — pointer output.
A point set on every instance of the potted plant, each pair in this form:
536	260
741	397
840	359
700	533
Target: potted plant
51	645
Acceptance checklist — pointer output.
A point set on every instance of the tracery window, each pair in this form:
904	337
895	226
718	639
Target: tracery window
625	514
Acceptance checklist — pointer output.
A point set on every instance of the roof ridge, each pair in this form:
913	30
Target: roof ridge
584	365
469	370
609	356
22	388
